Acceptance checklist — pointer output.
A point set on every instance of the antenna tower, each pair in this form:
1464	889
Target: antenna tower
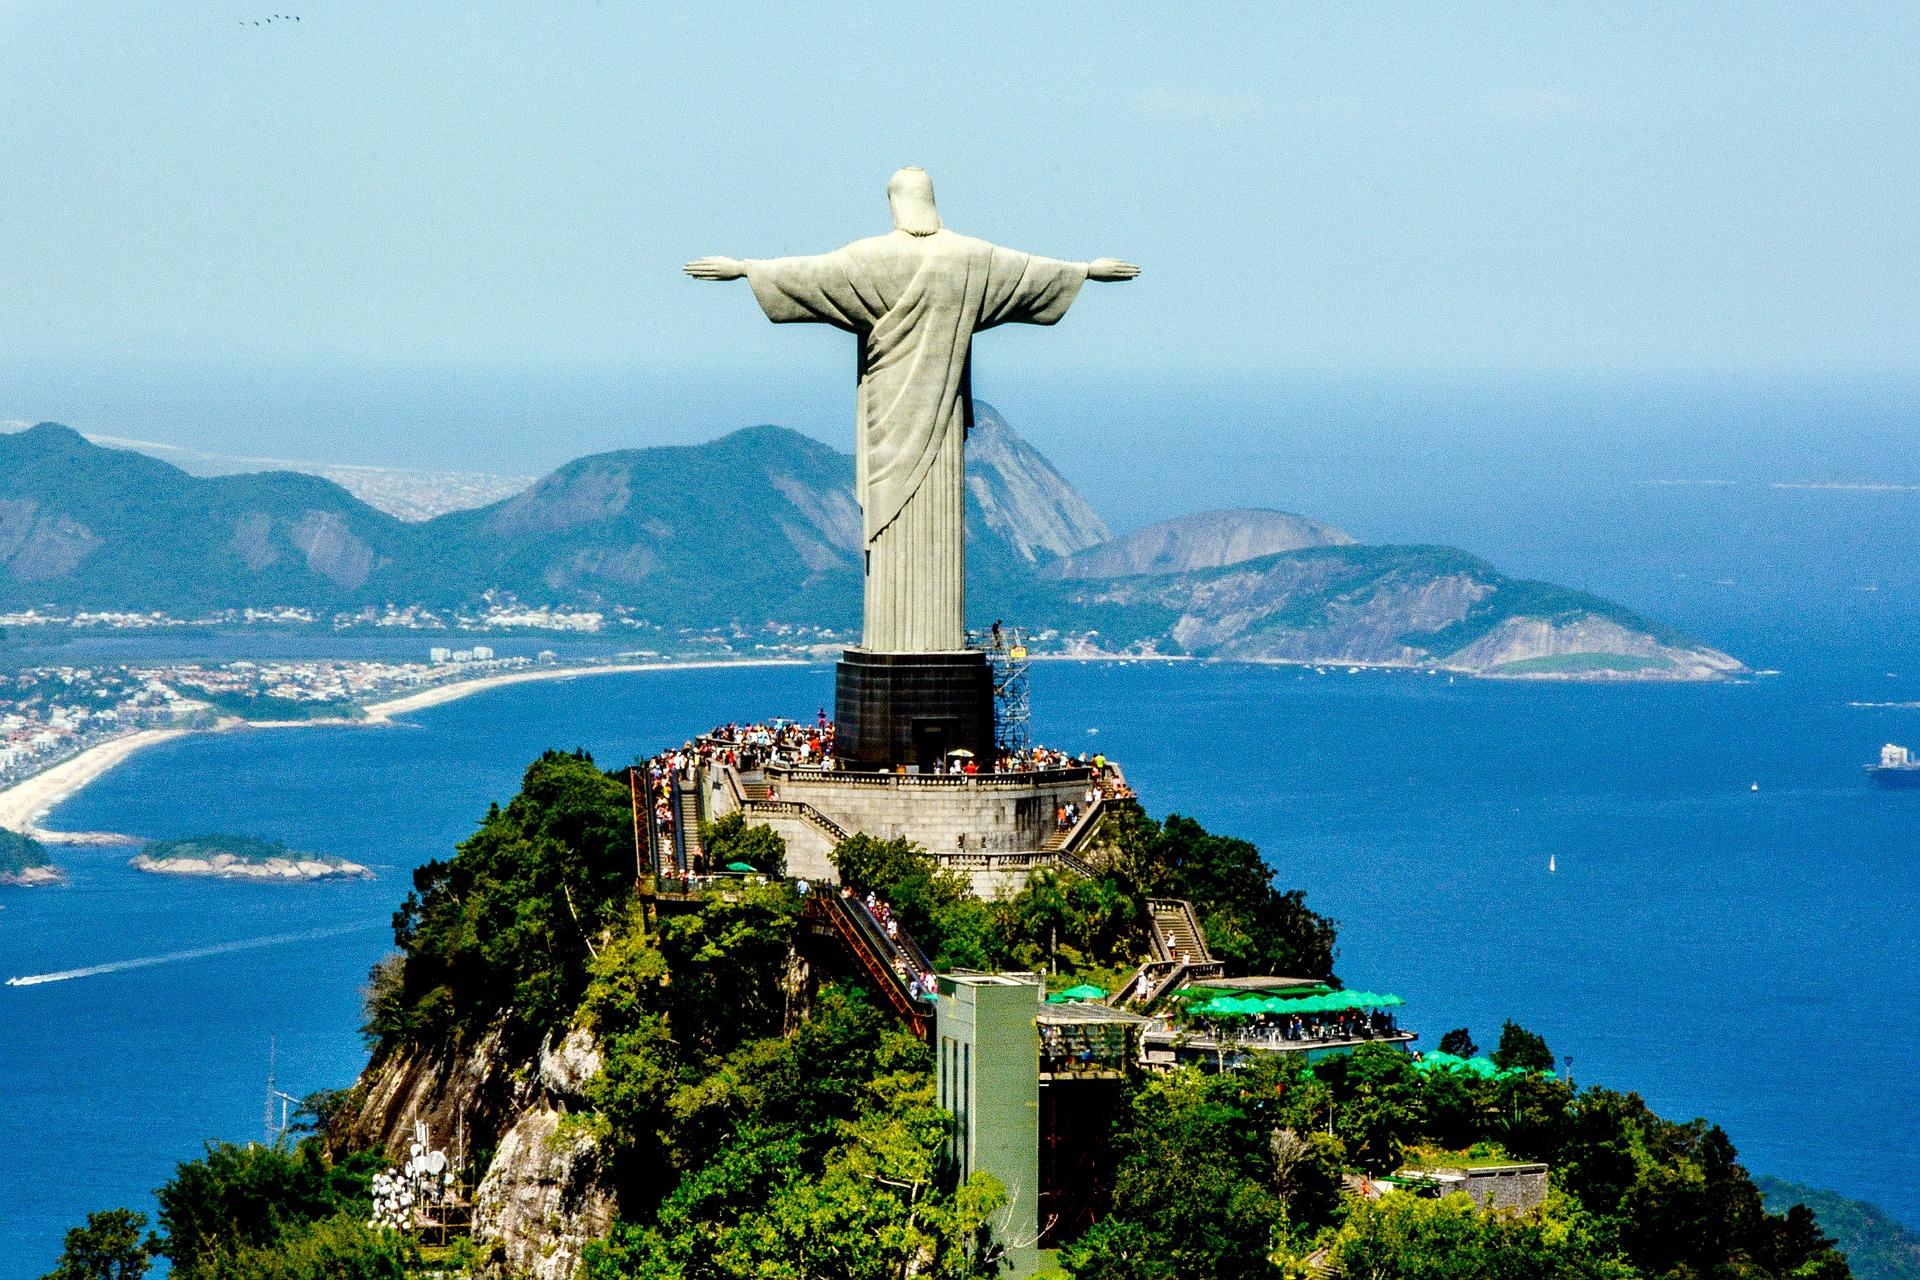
285	1101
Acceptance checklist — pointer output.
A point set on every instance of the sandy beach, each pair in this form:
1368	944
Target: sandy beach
25	803
444	693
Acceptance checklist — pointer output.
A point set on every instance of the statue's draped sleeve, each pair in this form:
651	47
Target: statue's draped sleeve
1025	288
825	288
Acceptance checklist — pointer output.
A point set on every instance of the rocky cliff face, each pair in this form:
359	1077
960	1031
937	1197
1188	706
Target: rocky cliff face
1207	540
1406	606
1020	498
1587	646
542	1197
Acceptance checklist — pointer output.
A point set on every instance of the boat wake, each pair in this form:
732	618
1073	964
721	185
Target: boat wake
195	953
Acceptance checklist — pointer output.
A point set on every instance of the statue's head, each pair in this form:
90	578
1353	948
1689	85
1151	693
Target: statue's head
910	194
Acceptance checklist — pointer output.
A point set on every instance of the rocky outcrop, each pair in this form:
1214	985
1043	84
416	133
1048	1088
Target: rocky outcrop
1404	606
1207	540
36	545
1019	496
541	1202
1587	647
225	866
543	1195
331	548
27	877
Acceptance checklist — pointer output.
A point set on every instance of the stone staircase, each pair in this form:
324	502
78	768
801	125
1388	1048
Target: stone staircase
686	823
1180	954
1177	931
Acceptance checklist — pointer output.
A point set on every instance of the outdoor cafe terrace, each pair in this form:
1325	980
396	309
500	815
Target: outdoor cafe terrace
1220	1027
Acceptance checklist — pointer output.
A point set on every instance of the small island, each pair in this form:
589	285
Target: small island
231	857
24	861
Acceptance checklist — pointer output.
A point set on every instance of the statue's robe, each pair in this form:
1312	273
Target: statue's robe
915	302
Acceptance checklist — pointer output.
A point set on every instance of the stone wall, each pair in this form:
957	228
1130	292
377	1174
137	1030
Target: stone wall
1519	1187
989	830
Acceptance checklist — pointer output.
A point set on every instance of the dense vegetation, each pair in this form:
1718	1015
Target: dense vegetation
19	853
756	1119
1219	1174
287	1212
245	848
1877	1246
503	931
267	707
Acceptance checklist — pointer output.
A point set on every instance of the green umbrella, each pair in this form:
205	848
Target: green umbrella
1085	991
741	866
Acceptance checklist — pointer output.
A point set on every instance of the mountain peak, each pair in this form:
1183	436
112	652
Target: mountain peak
53	435
1020	497
1204	540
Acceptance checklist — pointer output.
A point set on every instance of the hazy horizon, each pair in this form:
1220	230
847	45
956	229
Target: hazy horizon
1431	276
1524	187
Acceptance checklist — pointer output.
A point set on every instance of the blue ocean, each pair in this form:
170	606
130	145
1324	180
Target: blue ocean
1594	861
1590	860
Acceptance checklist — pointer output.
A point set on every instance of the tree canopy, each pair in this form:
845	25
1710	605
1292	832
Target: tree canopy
758	1113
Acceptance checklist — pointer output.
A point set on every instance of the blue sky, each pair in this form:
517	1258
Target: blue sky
1309	187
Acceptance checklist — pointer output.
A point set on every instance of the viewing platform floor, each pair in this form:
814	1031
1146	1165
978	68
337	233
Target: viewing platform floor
1161	1048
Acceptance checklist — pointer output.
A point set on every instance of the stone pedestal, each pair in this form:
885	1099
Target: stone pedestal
912	708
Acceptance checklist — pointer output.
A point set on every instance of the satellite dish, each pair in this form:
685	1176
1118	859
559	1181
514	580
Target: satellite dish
437	1163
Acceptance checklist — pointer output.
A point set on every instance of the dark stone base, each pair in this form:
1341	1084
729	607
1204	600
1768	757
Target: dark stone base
911	708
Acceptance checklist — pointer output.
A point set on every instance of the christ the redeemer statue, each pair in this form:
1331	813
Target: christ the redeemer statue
915	296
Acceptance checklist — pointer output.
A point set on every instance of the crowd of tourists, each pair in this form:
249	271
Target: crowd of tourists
1060	1051
744	746
908	964
1278	1029
779	741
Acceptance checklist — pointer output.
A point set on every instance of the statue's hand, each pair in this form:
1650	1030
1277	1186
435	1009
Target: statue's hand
1110	269
715	269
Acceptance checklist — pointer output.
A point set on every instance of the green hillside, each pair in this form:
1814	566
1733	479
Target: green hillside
19	853
83	526
1877	1247
762	526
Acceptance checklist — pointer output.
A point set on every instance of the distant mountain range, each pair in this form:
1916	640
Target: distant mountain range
410	495
761	525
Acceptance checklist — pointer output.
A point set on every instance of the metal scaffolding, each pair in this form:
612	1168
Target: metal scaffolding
1006	651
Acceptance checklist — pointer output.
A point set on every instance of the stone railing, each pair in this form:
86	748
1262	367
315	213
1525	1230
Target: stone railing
1027	861
949	781
797	809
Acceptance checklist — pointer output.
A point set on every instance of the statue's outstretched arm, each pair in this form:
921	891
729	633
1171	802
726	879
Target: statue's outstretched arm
1100	269
715	268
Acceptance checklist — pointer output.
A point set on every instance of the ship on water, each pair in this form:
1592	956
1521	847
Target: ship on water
1898	767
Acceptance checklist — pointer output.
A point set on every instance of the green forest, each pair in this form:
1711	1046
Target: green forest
19	853
753	1125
